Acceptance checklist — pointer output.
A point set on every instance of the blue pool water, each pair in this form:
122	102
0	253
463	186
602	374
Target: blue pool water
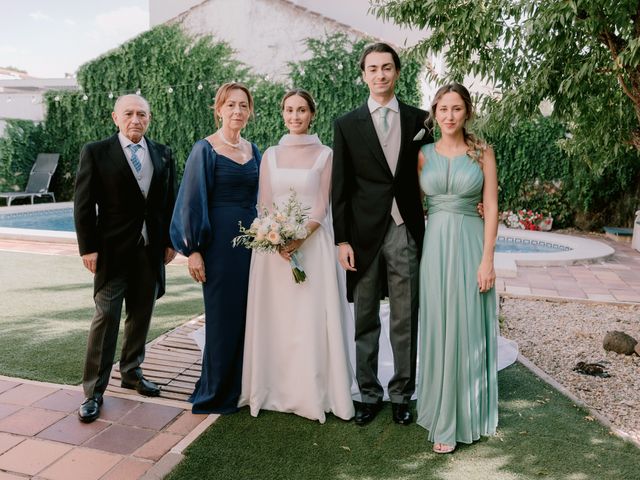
525	245
59	220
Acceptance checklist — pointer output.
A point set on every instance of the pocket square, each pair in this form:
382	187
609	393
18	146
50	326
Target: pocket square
419	135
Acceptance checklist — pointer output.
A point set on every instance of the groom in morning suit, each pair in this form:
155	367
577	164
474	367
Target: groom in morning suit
379	227
123	202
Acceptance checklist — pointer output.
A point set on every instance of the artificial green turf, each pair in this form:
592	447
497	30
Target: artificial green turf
46	305
541	435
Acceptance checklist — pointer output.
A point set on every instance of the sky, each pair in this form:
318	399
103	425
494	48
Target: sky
49	38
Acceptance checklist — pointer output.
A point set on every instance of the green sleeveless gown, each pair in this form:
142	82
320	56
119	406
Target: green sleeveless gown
457	379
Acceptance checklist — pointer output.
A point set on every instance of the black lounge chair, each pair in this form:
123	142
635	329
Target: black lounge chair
39	179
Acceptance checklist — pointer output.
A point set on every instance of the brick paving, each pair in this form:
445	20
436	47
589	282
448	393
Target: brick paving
41	436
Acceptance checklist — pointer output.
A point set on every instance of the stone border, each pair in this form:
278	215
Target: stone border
589	301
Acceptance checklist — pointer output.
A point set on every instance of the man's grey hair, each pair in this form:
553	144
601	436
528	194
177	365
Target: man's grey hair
131	95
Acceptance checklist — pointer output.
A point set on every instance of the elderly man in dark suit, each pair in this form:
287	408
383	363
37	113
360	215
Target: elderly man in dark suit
123	202
379	227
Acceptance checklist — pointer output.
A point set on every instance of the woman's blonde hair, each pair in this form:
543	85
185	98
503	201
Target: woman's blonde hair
223	93
476	146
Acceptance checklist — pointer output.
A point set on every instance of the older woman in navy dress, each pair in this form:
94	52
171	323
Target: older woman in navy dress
219	189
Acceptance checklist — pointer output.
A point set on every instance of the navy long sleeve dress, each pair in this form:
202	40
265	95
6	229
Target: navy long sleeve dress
215	194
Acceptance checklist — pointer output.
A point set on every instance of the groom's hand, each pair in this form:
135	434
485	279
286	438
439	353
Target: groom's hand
346	257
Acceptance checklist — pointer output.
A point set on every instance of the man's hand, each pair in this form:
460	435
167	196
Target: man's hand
169	255
480	208
346	257
90	261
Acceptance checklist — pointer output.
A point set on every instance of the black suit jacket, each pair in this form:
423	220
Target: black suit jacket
109	208
363	186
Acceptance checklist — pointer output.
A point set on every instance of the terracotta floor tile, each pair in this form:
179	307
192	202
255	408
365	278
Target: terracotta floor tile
29	421
185	423
10	476
537	284
8	441
6	385
32	456
150	415
128	469
114	408
71	430
81	464
6	410
62	401
25	394
602	290
120	439
601	297
571	293
516	290
155	448
544	292
625	295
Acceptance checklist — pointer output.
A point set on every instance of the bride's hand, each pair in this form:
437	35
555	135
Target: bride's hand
287	250
486	276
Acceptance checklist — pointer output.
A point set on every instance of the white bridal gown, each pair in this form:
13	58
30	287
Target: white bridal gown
296	356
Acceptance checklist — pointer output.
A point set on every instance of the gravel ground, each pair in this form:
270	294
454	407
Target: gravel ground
555	336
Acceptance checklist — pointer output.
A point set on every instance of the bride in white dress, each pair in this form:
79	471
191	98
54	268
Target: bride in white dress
296	357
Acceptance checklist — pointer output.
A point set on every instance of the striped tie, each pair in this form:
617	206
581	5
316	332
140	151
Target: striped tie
134	157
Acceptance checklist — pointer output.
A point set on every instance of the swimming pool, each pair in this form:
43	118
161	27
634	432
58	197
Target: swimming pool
60	220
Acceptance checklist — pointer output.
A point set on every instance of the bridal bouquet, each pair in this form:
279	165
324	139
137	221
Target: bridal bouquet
273	229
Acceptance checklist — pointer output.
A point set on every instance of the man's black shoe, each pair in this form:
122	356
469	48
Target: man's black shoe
401	413
366	412
142	386
90	409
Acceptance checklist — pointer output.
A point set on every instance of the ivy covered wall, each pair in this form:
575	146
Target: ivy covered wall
179	75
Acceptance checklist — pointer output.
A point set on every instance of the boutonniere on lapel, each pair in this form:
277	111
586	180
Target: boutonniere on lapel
419	135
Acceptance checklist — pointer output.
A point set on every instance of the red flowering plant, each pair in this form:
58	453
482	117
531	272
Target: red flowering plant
523	219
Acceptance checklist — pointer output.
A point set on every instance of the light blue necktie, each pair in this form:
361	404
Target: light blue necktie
134	156
384	123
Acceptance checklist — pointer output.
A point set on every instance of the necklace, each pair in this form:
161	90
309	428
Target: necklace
228	143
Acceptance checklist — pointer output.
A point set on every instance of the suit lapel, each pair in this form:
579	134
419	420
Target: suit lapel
157	162
407	121
368	131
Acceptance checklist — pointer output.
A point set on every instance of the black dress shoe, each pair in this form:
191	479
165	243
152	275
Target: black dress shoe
401	413
142	386
90	409
366	412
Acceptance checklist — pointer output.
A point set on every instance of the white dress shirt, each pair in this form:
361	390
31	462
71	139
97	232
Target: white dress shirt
390	142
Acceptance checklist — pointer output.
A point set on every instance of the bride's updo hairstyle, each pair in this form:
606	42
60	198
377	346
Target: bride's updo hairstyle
476	145
301	93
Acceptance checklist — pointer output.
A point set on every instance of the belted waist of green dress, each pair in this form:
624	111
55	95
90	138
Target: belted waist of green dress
465	205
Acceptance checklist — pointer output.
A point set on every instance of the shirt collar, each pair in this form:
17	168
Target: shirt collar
392	105
125	142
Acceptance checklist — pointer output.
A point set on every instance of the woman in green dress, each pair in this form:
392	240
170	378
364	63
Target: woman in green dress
458	388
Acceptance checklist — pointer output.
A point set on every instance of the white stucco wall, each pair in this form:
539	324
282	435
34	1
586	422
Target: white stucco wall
266	34
21	98
356	14
161	11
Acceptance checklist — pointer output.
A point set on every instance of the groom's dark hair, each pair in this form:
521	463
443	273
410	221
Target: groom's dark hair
380	47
